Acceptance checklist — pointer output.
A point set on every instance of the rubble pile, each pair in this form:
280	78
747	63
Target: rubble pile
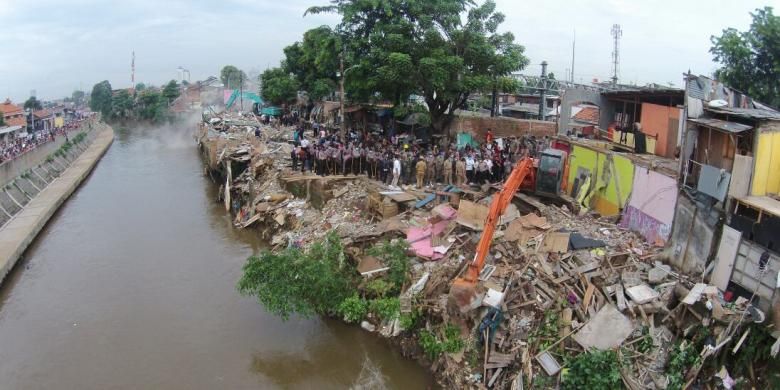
555	286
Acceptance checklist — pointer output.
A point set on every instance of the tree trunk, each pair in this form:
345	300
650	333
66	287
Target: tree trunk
494	101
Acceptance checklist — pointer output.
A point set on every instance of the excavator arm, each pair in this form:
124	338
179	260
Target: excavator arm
463	289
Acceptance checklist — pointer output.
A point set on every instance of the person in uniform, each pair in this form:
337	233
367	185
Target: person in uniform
460	172
420	168
447	171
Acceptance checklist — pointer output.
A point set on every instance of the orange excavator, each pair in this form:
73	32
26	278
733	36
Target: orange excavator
463	290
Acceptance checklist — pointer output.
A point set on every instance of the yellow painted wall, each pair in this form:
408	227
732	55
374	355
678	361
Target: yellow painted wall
59	121
650	142
604	196
766	175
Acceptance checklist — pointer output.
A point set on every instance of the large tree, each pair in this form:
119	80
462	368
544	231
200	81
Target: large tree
443	50
32	103
751	60
315	61
232	77
78	98
100	100
171	91
277	86
122	105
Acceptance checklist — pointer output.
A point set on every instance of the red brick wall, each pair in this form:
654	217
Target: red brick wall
502	127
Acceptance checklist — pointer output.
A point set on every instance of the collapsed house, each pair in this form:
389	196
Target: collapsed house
627	254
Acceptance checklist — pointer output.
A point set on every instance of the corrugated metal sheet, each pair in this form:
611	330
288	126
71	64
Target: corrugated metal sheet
730	127
749	113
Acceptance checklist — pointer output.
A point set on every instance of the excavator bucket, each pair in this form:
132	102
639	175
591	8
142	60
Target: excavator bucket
463	295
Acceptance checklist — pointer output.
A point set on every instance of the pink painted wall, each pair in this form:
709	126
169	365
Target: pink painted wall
650	210
654	194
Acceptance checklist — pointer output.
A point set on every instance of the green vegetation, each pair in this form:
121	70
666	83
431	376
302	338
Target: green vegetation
278	86
547	332
750	60
232	77
377	288
683	356
393	254
142	104
32	103
385	308
597	370
316	281
353	309
411	320
314	62
434	345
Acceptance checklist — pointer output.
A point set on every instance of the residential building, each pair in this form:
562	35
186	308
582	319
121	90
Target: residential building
13	115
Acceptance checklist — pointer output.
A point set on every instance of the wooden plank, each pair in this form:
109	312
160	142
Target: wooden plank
587	267
557	242
730	240
620	296
472	215
424	201
588	295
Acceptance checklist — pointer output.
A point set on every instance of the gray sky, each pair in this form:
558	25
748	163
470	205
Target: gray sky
56	46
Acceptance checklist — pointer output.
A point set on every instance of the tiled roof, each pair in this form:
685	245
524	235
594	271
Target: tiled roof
42	114
9	108
587	114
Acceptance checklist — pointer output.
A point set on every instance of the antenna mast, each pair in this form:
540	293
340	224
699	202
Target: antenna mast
616	34
132	71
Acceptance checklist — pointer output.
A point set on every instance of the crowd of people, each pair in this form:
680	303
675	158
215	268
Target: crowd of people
18	146
399	160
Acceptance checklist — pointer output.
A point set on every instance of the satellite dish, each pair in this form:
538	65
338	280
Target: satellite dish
718	103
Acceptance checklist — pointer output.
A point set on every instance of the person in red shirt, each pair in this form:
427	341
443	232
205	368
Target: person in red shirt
489	137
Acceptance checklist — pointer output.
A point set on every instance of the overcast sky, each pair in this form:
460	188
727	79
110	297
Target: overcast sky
57	46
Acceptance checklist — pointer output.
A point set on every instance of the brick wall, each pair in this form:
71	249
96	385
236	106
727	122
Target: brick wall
502	127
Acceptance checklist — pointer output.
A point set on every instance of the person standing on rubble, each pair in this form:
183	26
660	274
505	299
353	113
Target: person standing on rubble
447	170
460	171
409	165
430	173
439	168
396	172
294	158
470	165
420	168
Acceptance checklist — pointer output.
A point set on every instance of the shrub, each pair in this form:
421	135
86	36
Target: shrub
353	309
597	370
385	308
378	288
393	255
433	346
292	281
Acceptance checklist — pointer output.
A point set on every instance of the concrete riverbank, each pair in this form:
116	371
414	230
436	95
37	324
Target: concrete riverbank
19	232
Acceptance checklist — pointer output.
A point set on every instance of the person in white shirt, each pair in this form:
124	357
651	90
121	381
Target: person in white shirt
470	168
396	171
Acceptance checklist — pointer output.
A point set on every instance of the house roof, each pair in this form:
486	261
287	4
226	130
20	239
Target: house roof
527	108
717	124
9	108
42	114
9	129
748	113
587	114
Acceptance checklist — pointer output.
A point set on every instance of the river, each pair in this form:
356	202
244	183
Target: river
132	286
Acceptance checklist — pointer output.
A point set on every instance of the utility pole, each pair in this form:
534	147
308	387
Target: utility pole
573	42
543	92
241	89
341	94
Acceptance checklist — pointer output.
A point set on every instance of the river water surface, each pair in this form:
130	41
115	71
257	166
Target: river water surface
132	286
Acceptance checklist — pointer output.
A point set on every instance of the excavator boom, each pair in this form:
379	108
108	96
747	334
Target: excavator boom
463	291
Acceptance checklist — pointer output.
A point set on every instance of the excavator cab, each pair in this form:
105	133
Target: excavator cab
550	173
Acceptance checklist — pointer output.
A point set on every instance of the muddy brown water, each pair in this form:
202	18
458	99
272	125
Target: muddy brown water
132	286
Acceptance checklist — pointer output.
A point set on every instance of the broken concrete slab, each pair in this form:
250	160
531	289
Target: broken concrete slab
606	330
641	294
472	215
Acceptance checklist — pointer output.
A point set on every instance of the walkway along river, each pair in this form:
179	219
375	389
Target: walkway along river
132	285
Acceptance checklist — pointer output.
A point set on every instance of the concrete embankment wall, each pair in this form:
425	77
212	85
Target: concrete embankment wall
28	202
9	170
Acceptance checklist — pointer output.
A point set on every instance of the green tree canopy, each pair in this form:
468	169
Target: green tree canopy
171	91
278	86
78	97
122	105
425	47
751	60
232	77
151	106
315	61
32	103
100	100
